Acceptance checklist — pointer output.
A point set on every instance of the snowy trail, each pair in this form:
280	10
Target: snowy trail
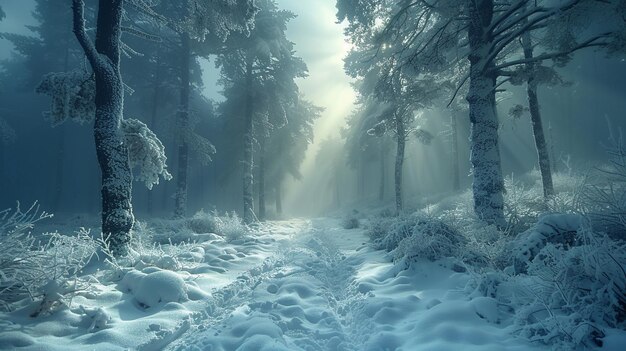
292	285
299	298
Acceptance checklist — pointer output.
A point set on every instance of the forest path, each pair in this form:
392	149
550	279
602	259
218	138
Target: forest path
301	298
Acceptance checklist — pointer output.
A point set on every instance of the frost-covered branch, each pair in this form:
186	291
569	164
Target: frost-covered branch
78	12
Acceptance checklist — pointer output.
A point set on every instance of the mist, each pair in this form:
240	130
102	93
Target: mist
206	139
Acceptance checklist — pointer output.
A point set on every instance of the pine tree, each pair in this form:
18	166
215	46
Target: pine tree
426	38
263	66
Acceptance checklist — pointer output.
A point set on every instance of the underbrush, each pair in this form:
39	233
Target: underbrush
41	272
559	266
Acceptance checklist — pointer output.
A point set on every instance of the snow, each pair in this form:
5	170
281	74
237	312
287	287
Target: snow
290	285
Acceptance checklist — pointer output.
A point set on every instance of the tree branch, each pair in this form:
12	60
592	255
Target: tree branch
591	42
78	12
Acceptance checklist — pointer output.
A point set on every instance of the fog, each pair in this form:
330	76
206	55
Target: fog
312	175
57	167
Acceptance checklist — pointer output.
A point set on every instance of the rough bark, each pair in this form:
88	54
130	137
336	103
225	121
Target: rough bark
104	57
456	173
248	157
401	142
183	123
261	179
535	118
488	184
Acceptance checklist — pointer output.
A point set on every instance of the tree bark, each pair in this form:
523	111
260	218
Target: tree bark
248	157
112	152
488	184
401	142
262	177
535	118
183	125
456	174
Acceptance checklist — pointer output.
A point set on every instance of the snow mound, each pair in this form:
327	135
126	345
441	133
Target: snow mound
157	287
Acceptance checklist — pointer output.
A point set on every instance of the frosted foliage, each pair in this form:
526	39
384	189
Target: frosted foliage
73	96
42	271
146	151
430	239
219	17
416	236
573	294
203	148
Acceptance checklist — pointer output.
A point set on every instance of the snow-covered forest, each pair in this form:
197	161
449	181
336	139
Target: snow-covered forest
312	175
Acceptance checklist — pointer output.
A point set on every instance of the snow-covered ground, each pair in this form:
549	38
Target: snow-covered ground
291	285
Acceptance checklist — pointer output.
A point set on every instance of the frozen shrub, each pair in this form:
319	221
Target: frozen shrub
430	239
231	227
351	221
386	234
574	293
45	272
555	229
203	222
523	204
416	236
604	194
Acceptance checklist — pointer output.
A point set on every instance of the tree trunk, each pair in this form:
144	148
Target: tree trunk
117	213
488	184
535	118
456	174
183	125
279	200
262	177
248	157
153	118
401	141
381	189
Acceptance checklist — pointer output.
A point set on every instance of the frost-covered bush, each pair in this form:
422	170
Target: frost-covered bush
146	152
604	194
414	236
558	229
523	204
430	239
204	222
386	234
571	294
231	227
351	221
46	272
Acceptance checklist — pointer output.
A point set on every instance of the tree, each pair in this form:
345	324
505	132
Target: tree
112	151
285	148
200	27
264	66
52	49
395	96
428	36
